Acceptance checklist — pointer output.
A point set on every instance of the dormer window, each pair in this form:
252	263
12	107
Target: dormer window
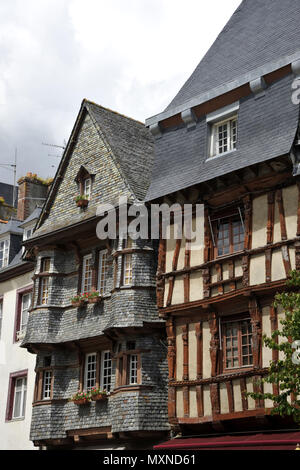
84	180
224	136
27	233
222	127
4	253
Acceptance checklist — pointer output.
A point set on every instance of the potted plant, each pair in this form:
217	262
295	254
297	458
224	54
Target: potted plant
96	394
81	398
81	200
94	297
78	300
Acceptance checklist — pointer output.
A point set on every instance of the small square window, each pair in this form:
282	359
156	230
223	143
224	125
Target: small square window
223	136
237	344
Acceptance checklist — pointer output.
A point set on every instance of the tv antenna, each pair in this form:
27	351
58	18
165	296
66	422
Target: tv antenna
54	145
12	167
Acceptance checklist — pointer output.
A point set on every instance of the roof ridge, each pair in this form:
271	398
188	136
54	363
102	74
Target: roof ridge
113	111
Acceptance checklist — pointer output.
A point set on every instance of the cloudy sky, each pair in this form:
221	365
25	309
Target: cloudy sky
129	55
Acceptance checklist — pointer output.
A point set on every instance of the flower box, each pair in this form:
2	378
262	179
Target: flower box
94	300
81	401
82	202
78	303
99	397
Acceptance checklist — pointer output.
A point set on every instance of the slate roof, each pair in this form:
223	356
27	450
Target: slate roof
258	33
33	216
131	143
267	127
12	226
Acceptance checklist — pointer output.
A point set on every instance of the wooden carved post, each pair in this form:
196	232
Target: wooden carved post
185	340
187	262
172	402
206	282
248	238
279	201
271	212
186	402
268	264
160	284
275	353
207	236
245	267
256	320
214	343
297	254
171	348
248	222
207	250
215	398
199	350
231	274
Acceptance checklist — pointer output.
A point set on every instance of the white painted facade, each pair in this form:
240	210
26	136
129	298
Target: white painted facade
14	433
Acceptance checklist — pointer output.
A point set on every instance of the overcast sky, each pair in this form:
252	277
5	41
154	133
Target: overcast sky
131	56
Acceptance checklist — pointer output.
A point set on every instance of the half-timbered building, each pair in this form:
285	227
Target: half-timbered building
112	339
230	140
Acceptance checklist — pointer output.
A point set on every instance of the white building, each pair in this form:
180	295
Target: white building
17	365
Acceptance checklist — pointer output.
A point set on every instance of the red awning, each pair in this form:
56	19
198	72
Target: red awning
275	441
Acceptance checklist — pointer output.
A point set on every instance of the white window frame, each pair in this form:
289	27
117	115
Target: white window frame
21	332
44	291
102	273
133	369
87	187
84	270
127	264
47	380
27	233
86	386
4	252
22	390
105	376
230	141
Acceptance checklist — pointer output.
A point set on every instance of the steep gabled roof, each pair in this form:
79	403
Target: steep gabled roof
129	143
260	32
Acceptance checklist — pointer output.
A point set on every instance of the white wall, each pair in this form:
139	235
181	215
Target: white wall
14	434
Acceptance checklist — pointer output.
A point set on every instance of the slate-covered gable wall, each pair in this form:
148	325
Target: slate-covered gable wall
92	151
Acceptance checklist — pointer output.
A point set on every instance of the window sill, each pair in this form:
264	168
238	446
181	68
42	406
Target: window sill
129	388
14	420
220	155
228	255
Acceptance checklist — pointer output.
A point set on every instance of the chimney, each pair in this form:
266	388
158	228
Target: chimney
32	192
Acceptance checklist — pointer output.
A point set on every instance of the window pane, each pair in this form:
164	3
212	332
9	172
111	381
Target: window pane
47	384
133	369
20	387
106	368
102	272
87	273
90	371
